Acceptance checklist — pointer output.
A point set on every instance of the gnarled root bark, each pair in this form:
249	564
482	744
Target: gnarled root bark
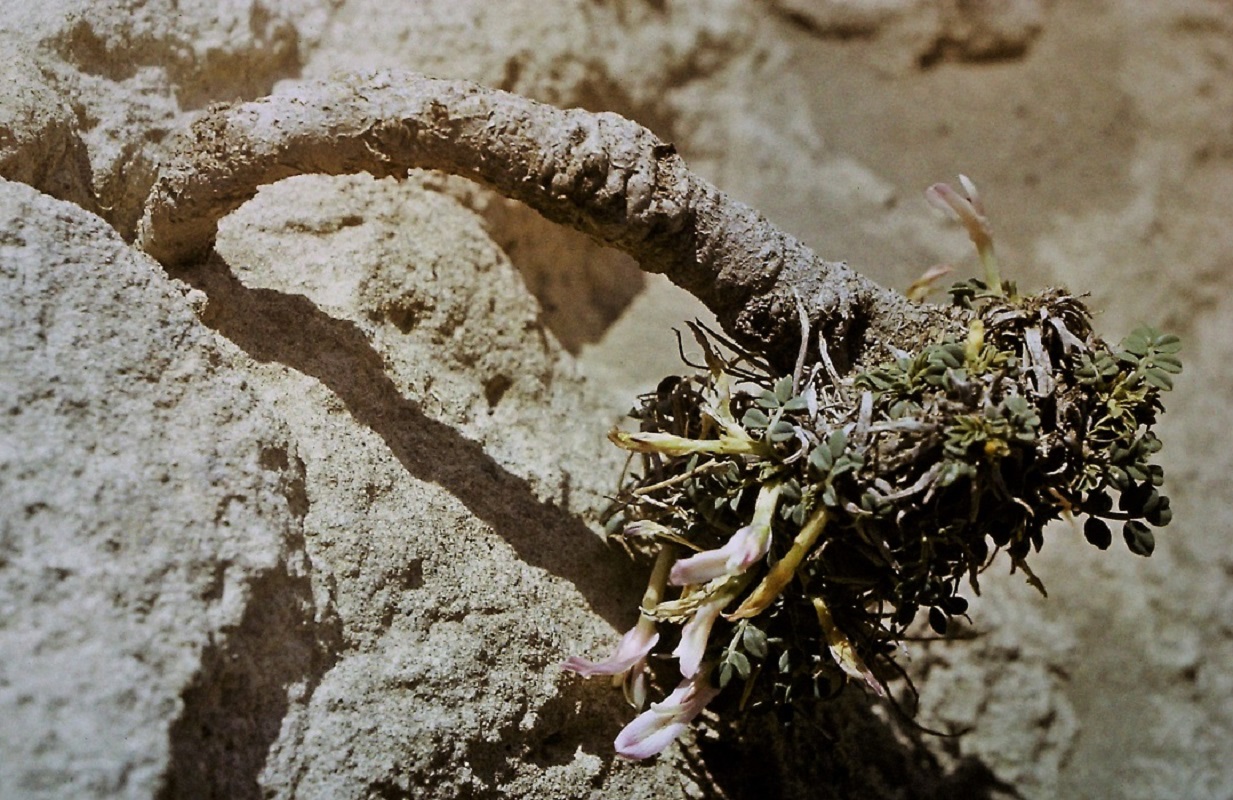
597	172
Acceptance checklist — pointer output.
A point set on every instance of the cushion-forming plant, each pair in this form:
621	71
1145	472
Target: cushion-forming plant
843	460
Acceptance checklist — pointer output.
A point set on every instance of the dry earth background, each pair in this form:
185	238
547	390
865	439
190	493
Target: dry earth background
311	520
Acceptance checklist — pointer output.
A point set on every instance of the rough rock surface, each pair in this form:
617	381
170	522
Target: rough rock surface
451	456
153	576
311	520
40	143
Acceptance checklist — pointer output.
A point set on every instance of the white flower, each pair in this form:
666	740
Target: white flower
744	548
659	726
742	551
697	633
629	659
632	651
969	210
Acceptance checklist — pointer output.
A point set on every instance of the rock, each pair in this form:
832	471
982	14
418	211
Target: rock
123	75
40	143
451	453
323	550
154	588
197	606
928	32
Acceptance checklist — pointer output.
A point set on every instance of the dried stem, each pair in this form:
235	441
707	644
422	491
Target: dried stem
597	172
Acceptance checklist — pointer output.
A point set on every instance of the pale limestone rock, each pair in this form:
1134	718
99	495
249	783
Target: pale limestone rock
1101	140
152	571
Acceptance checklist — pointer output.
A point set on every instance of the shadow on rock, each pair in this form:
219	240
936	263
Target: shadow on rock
235	708
288	329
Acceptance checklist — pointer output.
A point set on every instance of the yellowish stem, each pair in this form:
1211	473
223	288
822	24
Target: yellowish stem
654	593
993	275
781	573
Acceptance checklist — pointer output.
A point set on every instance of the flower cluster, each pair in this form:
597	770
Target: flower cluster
801	523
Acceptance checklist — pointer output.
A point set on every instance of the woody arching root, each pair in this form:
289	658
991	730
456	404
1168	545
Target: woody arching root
843	461
596	172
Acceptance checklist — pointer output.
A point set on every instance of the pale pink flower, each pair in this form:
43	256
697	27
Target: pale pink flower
966	207
969	210
657	727
697	632
629	661
744	548
631	653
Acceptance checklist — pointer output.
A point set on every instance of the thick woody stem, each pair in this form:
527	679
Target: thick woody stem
597	172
